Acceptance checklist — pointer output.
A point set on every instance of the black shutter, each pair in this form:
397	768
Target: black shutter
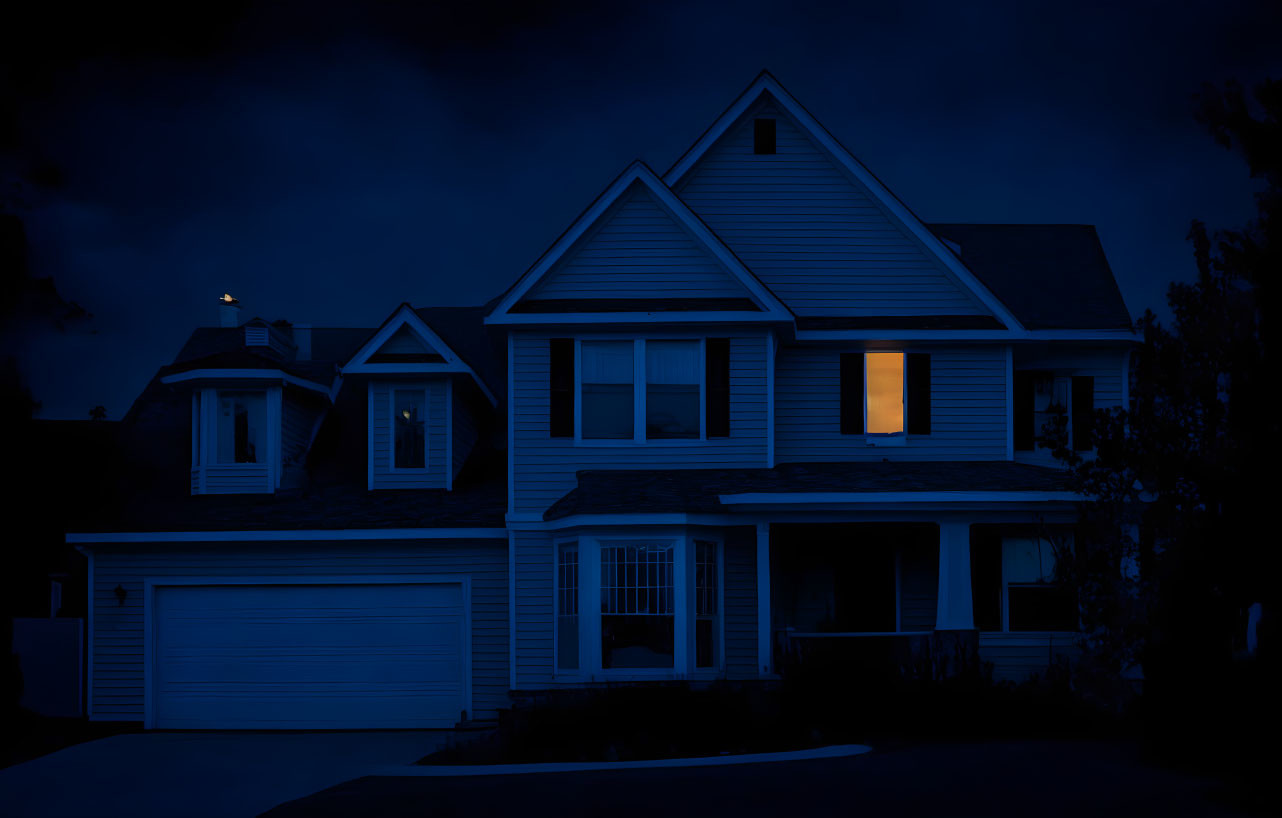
1083	411
1023	411
717	374
561	388
852	393
918	393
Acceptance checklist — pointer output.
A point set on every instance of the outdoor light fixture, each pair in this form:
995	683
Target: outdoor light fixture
120	593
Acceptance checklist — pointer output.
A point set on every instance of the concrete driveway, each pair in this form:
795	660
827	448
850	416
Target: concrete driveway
142	775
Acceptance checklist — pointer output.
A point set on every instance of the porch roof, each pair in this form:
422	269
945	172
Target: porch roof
698	490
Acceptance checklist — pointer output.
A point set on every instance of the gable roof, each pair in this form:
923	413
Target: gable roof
1054	276
365	360
766	85
766	306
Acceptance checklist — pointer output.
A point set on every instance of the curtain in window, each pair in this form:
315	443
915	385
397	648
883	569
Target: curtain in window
410	444
606	374
672	389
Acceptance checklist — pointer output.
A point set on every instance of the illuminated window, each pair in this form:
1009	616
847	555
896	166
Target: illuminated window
884	381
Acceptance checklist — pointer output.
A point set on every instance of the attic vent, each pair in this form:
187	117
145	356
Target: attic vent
763	136
257	336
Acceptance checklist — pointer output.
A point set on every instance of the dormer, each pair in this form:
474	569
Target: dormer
255	405
425	401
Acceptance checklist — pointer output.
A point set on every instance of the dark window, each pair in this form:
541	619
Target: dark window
637	607
1042	607
567	610
763	136
242	425
1083	398
561	386
672	389
865	588
717	373
852	393
410	444
608	377
918	408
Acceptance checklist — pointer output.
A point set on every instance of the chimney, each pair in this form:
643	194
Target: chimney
303	341
228	311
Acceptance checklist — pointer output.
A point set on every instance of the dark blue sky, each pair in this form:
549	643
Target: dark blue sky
324	166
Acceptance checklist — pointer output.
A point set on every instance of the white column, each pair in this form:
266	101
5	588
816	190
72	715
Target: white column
764	648
955	611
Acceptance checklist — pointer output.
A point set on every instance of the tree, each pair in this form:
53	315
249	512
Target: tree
99	412
1176	545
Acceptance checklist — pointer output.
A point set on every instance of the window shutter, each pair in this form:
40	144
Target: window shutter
1023	412
918	377
1083	398
852	393
717	374
561	388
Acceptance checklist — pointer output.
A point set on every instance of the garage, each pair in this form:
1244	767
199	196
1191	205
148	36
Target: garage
315	655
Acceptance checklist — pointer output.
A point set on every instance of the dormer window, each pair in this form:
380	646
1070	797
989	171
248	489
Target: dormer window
241	432
409	413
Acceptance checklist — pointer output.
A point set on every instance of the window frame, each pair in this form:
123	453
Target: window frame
1006	585
1056	377
639	384
888	438
204	452
590	544
392	389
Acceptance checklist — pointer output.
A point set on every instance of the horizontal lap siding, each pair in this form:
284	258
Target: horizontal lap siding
384	476
238	478
1017	656
117	640
639	250
544	467
811	233
534	596
296	423
968	408
741	603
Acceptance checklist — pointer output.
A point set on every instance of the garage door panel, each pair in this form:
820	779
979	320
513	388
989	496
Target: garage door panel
309	656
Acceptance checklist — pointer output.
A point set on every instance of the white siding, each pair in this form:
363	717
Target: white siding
544	466
638	250
968	408
384	476
812	233
117	640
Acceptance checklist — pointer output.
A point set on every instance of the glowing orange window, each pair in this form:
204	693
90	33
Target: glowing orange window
884	378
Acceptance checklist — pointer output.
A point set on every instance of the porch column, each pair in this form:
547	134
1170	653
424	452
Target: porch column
954	611
765	651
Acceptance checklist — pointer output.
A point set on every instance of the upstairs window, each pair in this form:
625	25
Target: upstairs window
409	444
671	389
1042	396
607	377
241	432
885	393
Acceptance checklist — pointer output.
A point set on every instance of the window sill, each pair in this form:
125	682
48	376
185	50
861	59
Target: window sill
593	443
885	440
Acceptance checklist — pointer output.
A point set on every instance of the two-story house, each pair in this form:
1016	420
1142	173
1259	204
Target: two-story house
747	412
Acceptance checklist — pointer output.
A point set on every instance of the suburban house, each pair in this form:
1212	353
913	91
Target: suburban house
741	414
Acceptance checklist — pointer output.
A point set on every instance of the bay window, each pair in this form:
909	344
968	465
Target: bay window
645	607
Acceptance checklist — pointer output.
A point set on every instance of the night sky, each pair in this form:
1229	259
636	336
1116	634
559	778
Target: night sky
324	164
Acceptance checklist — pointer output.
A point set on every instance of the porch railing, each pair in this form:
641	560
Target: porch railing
905	654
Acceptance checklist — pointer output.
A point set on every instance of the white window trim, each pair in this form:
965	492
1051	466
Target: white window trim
590	545
638	394
205	436
1039	452
1006	596
391	428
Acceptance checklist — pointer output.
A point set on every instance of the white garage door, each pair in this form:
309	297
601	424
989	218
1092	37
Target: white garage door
307	656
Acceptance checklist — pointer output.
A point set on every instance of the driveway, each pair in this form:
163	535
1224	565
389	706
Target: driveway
141	775
988	780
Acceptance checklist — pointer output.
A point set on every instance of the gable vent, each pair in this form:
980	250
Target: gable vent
763	136
257	337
